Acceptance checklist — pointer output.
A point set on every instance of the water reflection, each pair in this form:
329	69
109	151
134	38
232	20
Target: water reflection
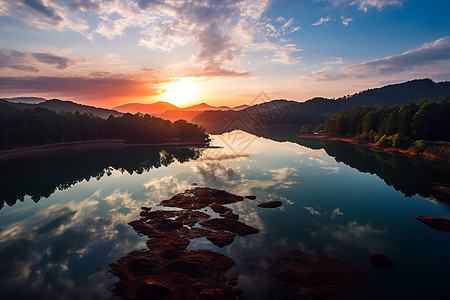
53	248
41	176
410	175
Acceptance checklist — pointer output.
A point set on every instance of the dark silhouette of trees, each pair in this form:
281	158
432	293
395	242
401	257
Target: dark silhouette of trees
39	177
38	126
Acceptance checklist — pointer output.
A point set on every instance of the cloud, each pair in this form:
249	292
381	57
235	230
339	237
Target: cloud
336	212
345	21
283	173
84	5
365	5
430	58
312	211
47	14
286	55
93	88
429	53
321	21
16	60
24	61
47	11
222	30
48	58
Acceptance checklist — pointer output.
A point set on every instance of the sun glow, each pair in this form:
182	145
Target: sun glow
181	92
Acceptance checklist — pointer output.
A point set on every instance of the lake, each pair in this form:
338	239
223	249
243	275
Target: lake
64	217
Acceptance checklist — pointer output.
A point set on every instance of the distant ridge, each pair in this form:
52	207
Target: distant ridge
29	100
68	106
317	110
152	109
171	112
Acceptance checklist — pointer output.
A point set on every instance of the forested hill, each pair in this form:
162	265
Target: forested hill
317	110
38	126
395	126
69	106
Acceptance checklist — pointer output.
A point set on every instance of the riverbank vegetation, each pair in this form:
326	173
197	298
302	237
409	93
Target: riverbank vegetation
39	126
421	126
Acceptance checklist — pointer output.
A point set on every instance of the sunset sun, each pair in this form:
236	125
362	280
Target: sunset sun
181	92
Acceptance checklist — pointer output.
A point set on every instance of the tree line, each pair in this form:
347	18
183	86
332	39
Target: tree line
396	126
38	126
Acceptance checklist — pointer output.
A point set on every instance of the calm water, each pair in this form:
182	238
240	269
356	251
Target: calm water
64	218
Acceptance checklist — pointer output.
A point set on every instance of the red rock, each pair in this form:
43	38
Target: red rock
251	197
230	215
381	260
441	224
229	225
316	277
213	294
195	274
222	238
194	233
232	280
167	243
140	227
190	218
270	204
220	209
201	197
168	225
156	214
146	208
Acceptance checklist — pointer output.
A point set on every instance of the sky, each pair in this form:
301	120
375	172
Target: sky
109	52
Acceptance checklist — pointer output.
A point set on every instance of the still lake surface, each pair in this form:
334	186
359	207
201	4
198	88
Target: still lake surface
64	218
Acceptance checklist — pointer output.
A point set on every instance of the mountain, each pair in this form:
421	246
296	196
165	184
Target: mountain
29	100
171	112
204	106
317	110
241	107
69	106
174	115
151	109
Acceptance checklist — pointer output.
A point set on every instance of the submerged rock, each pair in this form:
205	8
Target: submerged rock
229	225
270	204
222	238
441	224
381	260
195	274
250	197
316	276
167	270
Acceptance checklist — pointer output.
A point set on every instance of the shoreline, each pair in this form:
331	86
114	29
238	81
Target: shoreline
73	147
371	146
